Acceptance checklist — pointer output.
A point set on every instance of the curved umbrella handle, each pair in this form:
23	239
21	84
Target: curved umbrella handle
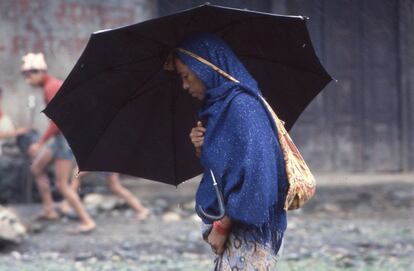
222	211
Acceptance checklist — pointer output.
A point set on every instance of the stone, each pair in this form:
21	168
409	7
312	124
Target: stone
108	203
127	245
49	255
116	258
103	255
36	227
171	217
403	195
156	211
102	203
93	201
16	255
293	257
181	211
127	254
161	203
83	256
11	229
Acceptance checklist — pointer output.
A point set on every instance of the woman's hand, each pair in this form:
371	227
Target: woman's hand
219	235
217	241
197	137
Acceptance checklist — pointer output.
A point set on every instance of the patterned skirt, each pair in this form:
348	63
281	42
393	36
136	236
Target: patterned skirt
244	254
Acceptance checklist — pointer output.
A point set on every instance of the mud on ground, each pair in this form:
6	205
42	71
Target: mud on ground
350	225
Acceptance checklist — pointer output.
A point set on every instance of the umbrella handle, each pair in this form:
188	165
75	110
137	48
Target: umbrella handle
222	211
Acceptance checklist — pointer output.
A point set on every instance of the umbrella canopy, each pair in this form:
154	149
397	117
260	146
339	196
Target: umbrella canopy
121	111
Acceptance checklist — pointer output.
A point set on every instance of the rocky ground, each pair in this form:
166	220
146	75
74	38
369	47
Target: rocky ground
357	223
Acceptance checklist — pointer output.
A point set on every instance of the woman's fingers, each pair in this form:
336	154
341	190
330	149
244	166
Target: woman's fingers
200	129
196	133
197	139
196	136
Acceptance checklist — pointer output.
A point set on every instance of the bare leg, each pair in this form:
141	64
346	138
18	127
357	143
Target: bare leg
63	170
74	185
43	158
117	188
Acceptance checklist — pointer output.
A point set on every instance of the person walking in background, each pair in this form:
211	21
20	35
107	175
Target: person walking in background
117	188
34	69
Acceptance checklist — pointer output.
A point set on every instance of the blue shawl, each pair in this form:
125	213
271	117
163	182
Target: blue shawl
240	145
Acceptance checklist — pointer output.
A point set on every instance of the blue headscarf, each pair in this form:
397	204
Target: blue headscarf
240	144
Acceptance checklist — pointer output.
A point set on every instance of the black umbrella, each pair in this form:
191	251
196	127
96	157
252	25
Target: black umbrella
121	111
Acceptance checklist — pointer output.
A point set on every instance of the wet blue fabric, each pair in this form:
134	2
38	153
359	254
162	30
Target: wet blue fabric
240	145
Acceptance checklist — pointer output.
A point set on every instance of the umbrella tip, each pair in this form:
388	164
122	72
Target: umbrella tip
305	18
207	3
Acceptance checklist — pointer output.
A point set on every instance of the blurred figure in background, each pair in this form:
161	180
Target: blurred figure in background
7	130
34	70
117	188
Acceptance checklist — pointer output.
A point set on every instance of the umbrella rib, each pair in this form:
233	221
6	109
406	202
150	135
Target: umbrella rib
174	148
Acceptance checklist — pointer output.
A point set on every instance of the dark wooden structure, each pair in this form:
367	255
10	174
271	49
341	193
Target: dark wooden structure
365	121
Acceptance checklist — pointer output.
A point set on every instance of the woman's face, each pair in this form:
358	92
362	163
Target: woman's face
191	82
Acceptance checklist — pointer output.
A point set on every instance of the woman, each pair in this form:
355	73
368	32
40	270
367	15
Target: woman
240	146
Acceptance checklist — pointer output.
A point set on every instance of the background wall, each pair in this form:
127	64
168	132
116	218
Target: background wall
365	122
58	28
